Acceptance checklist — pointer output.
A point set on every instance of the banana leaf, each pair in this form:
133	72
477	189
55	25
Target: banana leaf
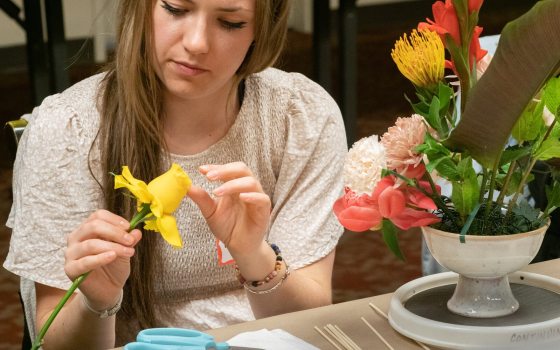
528	54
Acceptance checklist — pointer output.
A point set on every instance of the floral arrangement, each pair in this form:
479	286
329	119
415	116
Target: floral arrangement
156	202
479	130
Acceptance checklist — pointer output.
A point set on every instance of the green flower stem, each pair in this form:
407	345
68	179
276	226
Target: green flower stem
509	174
528	170
491	187
483	185
434	195
39	339
138	218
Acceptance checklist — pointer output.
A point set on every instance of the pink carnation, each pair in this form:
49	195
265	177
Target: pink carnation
400	142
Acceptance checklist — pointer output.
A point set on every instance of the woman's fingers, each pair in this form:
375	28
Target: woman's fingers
239	185
96	247
76	268
99	228
257	199
225	172
202	199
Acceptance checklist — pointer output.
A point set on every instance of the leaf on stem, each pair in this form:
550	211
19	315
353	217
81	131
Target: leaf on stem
389	231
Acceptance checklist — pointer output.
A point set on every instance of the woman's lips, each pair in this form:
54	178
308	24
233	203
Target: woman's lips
188	69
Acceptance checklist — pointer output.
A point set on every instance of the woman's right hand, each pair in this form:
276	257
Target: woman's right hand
102	245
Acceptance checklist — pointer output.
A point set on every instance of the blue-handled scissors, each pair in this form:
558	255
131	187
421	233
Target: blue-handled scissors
177	339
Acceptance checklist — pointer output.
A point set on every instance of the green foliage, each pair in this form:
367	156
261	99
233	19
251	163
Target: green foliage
525	218
514	153
512	185
550	148
435	108
551	96
553	198
465	190
389	232
440	158
522	218
530	123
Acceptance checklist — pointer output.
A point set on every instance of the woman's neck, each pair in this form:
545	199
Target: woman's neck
191	126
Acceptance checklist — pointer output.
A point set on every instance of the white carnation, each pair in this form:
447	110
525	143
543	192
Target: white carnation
363	166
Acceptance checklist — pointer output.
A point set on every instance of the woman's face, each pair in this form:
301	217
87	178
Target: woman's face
200	44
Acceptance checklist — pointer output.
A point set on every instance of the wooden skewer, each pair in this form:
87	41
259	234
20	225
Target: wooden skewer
332	331
378	335
327	338
380	312
350	340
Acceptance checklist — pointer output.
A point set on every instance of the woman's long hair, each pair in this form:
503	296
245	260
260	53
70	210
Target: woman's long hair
131	126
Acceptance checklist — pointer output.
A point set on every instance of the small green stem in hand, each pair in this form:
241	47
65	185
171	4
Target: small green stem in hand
39	339
137	219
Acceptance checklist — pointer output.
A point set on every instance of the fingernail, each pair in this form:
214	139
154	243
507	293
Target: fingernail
218	191
204	167
212	175
128	251
128	238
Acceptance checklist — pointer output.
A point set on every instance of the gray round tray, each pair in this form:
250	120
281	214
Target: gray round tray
535	305
418	310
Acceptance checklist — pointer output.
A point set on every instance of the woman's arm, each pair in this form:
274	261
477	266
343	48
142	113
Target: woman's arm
75	327
239	217
304	288
101	246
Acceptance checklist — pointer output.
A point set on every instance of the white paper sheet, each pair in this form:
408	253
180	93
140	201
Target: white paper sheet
276	339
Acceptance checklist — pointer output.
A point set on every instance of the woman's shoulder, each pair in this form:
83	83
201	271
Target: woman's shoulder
279	81
295	92
74	108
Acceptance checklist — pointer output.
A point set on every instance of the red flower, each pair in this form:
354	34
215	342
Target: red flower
475	5
357	213
414	218
475	52
405	206
445	21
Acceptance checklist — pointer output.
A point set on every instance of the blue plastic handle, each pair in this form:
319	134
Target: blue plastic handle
152	346
175	336
178	337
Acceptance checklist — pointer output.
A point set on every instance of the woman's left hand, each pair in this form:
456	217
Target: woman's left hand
240	214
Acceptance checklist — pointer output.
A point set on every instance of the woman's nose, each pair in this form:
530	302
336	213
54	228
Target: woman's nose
196	36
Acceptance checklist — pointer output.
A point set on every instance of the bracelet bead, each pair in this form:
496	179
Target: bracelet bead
273	274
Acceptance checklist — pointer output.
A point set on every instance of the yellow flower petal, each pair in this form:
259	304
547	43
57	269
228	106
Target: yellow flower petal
151	225
138	188
167	227
168	190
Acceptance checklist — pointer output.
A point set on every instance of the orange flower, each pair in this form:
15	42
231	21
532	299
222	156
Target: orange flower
445	21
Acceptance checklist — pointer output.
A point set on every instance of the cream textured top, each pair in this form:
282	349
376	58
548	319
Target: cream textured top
289	132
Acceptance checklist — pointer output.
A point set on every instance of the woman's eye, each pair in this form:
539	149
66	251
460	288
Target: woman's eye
174	11
232	25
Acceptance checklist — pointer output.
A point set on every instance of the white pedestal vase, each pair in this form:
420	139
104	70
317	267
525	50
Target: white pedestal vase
483	263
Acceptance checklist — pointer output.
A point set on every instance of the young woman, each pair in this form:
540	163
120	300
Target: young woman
189	84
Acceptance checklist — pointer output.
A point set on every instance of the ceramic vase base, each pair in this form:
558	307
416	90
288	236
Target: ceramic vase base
483	297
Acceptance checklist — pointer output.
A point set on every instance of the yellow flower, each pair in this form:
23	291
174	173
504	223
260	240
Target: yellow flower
420	59
163	195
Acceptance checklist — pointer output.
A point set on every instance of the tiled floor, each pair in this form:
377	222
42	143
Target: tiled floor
362	262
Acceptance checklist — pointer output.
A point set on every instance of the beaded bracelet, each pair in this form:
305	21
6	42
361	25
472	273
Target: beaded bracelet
266	291
270	276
